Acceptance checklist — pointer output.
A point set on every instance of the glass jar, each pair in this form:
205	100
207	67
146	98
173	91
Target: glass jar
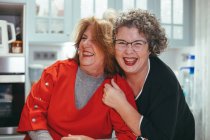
17	47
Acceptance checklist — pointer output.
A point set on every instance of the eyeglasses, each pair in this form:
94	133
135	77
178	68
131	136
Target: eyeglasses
136	45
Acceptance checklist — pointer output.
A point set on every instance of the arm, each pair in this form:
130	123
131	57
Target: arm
122	131
40	135
34	114
115	98
160	125
81	137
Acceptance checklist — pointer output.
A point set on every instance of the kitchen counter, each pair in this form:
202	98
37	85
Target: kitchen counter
11	137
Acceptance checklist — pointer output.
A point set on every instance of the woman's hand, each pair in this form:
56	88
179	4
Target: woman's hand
77	137
113	96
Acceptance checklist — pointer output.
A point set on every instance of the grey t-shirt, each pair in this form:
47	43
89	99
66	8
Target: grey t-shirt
85	87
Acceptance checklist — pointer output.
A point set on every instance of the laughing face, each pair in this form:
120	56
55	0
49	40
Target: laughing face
131	61
90	56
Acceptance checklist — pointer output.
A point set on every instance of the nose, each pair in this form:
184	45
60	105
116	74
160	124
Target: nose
129	49
87	43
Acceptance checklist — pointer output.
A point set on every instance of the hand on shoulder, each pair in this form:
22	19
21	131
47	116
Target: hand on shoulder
113	96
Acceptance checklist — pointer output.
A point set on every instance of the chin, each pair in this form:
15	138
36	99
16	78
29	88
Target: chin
129	69
87	62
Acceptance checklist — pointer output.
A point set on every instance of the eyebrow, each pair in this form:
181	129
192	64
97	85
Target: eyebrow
131	41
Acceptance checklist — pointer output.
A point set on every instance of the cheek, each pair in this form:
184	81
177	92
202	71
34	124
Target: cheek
99	57
102	58
80	45
118	55
119	58
145	55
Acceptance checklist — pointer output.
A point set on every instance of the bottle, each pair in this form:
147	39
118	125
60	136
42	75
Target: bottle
191	66
187	83
18	33
191	62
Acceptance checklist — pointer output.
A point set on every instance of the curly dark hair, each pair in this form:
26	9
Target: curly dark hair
147	24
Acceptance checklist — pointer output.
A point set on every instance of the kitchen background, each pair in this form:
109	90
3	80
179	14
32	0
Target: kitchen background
44	28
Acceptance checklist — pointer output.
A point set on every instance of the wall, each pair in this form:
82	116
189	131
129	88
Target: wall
176	57
60	51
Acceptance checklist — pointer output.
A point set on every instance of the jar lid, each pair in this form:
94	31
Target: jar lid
18	41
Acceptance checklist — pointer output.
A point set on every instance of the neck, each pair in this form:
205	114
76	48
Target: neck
137	80
92	72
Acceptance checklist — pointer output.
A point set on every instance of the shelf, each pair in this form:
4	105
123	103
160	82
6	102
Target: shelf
11	9
12	54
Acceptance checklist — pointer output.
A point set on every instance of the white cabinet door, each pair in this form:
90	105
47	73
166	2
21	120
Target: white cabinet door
49	20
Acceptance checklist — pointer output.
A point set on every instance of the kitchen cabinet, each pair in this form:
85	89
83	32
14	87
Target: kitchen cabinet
13	12
49	21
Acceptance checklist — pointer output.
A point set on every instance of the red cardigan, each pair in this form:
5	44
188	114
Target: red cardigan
51	106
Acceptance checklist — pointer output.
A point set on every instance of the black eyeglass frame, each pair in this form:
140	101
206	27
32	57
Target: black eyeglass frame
127	43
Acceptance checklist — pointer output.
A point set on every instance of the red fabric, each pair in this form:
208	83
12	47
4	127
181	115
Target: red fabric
51	106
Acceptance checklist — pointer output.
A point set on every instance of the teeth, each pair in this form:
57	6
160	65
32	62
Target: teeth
130	61
86	53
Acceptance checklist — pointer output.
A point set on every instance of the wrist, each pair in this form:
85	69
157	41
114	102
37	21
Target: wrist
123	107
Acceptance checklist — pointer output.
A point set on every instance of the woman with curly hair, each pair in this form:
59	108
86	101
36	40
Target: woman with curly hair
163	113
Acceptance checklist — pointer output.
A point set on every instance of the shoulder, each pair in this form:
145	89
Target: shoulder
122	83
161	76
120	80
60	67
61	64
160	71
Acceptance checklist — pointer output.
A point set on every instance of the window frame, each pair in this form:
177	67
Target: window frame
154	7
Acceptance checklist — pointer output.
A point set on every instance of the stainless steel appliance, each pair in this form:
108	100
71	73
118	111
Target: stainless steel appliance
12	93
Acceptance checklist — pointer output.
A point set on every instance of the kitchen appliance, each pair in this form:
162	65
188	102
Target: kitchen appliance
7	35
12	93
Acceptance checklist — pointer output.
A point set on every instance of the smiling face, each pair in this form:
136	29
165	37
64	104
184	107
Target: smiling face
90	56
132	62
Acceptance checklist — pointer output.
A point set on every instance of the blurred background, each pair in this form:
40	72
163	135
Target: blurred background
36	33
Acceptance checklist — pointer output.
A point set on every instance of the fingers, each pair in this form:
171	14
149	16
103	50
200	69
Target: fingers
104	99
105	93
110	88
114	84
107	88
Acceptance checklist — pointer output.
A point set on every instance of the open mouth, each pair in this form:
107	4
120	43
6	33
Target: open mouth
130	61
87	54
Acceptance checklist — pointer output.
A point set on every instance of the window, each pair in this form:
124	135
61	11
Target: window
171	16
128	4
176	16
93	8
